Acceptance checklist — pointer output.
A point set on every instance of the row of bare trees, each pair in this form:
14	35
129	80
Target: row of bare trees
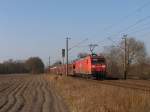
138	62
32	65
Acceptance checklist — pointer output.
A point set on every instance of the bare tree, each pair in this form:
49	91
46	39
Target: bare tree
114	59
35	65
136	51
136	56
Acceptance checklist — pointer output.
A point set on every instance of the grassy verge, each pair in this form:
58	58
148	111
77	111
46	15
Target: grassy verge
85	96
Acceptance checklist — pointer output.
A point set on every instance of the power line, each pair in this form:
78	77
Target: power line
129	15
137	22
140	30
109	38
143	6
101	41
144	34
116	44
130	26
78	44
139	26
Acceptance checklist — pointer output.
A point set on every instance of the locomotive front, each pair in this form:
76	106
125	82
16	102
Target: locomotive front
98	67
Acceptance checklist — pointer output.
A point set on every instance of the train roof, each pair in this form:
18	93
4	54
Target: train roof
92	56
95	55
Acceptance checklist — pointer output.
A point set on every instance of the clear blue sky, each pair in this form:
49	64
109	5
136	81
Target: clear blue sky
39	27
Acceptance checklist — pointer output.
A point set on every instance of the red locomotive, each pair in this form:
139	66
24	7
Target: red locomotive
90	66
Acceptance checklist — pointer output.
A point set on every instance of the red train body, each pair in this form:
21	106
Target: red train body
90	66
61	69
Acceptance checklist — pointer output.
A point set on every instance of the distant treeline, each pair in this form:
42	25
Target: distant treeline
32	65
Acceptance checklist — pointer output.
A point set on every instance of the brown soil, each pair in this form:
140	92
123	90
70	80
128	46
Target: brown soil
29	93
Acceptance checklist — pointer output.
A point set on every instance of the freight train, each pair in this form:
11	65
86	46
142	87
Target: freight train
93	66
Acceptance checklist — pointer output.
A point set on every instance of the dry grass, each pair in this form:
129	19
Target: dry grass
83	96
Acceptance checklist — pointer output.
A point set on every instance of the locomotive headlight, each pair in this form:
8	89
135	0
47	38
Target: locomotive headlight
93	66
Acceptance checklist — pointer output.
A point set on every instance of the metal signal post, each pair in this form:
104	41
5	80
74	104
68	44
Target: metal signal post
63	54
67	49
125	56
49	63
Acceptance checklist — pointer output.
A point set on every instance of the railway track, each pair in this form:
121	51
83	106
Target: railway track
129	84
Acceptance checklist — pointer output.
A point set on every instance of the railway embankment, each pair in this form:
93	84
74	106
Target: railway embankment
103	96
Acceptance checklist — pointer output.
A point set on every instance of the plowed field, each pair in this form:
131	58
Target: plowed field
29	93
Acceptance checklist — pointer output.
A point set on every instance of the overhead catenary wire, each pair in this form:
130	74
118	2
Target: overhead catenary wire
129	15
139	30
141	25
144	34
125	29
109	38
137	22
130	26
78	44
84	46
115	44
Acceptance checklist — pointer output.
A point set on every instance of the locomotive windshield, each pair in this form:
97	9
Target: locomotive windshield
98	61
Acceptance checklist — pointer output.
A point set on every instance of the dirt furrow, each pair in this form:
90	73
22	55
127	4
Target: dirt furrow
30	96
4	95
48	104
6	85
29	93
19	98
40	97
57	103
11	99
